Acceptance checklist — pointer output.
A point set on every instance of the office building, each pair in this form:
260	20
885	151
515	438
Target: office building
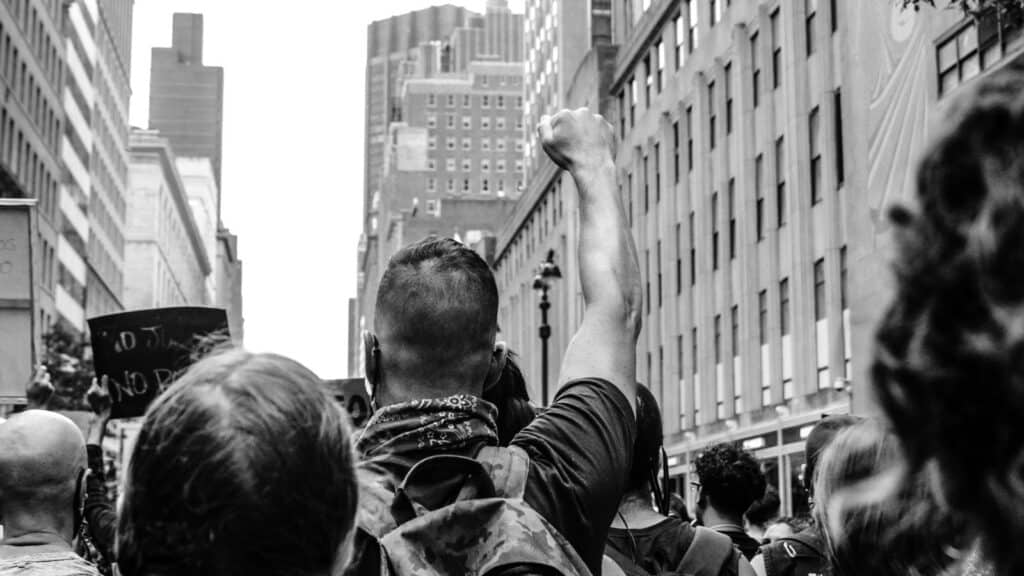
201	189
186	97
166	256
108	158
760	146
497	36
229	283
31	124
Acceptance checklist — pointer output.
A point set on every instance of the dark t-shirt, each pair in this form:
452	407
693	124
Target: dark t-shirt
580	453
743	542
659	549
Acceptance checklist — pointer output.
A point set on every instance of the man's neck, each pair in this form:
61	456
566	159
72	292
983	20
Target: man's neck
714	519
35	530
51	539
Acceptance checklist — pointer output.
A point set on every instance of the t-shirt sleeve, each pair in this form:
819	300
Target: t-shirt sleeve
581	450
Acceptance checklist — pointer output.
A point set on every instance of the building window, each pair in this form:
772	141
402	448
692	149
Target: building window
815	149
499	102
780	181
500	123
467	144
680	41
432	143
449	143
622	114
842	278
647	279
449	164
657	173
466	101
649	71
519	165
712	116
485	123
732	218
467	165
485	186
716	11
693	250
762	317
837	117
784	307
450	101
634	95
647	192
776	49
660	52
431	184
431	164
431	120
755	64
451	121
657	264
834	13
820	312
679	258
689	138
467	122
692	35
728	98
500	166
465	184
519	123
811	10
451	184
519	102
519	145
485	165
675	151
759	196
500	144
485	144
714	231
485	101
431	99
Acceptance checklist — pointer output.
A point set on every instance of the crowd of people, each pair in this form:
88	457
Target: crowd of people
245	465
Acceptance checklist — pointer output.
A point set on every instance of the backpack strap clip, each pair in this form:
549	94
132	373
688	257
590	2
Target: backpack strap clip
439	481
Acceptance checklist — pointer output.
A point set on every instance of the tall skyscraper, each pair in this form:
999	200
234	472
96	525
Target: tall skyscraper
108	160
186	98
31	124
389	43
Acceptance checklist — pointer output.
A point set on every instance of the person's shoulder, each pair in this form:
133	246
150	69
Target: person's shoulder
591	388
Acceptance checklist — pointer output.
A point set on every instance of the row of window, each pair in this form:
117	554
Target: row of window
500	122
27	166
467	99
34	31
500	144
785	349
978	44
17	75
451	185
534	232
467	165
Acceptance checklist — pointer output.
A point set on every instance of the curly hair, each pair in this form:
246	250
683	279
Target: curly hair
949	363
731	478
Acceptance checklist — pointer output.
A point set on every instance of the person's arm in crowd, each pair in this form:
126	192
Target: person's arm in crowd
605	344
40	389
99	512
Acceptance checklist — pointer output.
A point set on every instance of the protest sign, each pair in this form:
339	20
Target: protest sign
144	351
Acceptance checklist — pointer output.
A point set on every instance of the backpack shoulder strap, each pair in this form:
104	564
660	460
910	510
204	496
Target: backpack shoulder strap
807	540
707	554
508	469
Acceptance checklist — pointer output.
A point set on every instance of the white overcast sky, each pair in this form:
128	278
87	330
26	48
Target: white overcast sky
293	154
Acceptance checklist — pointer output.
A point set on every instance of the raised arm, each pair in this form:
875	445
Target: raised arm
605	345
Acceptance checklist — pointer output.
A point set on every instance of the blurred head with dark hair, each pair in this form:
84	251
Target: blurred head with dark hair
677	508
510	395
647	447
818	440
872	522
730	481
762	512
435	324
243	466
949	363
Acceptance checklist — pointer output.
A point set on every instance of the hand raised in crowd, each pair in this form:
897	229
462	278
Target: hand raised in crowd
577	140
40	390
98	397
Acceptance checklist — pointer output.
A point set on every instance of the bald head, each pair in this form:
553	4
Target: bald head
41	456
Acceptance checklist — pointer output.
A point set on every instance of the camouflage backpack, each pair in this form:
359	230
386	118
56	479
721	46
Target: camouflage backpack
459	515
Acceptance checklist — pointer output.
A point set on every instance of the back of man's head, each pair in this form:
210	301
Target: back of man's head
437	317
42	456
730	479
818	440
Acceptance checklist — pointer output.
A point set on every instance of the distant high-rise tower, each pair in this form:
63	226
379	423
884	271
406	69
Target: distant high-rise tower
186	98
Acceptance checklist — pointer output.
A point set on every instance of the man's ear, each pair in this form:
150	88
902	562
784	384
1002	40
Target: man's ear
371	358
498	359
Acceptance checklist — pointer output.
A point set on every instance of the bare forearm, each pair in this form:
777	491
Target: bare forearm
609	272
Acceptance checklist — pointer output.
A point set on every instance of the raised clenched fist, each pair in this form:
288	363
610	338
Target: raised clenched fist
577	140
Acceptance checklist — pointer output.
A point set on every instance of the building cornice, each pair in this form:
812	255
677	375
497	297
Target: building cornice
631	50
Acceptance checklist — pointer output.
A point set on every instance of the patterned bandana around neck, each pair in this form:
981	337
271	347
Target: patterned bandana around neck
400	435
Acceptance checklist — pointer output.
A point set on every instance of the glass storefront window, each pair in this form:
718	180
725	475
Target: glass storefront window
796	484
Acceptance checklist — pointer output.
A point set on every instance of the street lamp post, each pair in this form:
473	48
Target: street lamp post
547	272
